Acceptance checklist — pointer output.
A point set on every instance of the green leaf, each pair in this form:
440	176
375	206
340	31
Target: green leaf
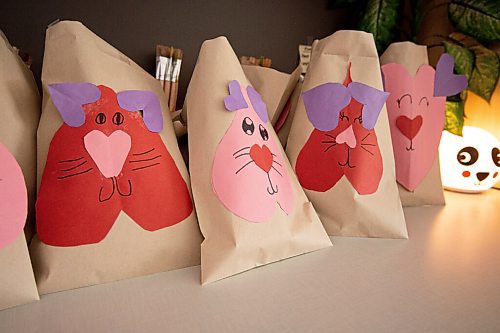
454	117
478	18
381	19
486	65
464	59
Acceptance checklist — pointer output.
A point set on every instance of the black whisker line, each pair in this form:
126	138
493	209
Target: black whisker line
79	165
243	167
328	148
368	144
277	163
365	137
279	173
236	152
331	136
242	154
144	153
144	160
367	150
67	161
75	174
328	142
273	154
146	166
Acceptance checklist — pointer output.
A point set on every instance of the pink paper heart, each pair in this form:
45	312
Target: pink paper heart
108	152
413	97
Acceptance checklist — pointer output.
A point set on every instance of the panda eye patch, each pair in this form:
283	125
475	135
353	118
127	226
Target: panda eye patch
467	156
495	155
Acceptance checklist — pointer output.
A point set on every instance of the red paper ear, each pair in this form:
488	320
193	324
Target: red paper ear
111	163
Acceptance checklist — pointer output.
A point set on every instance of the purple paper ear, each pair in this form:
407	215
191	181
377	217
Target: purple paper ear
147	101
372	99
323	104
68	98
235	100
445	82
258	104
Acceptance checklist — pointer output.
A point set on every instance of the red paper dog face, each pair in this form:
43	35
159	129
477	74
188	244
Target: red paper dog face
13	198
249	174
416	109
107	158
343	141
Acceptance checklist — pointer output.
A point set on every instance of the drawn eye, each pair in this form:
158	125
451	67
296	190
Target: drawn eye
426	101
248	126
118	118
467	156
343	116
100	118
263	133
495	155
359	119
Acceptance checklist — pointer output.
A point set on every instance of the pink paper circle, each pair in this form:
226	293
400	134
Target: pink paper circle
13	198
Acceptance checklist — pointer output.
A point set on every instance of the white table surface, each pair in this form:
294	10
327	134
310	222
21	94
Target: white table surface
445	278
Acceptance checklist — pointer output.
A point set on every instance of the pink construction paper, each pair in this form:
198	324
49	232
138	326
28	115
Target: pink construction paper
249	174
13	198
416	119
108	152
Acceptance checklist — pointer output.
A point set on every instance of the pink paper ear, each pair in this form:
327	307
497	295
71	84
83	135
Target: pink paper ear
148	102
69	98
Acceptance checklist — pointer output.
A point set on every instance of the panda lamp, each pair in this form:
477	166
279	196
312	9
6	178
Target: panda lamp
470	163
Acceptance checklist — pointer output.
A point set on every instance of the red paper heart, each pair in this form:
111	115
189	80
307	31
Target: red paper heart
262	157
409	127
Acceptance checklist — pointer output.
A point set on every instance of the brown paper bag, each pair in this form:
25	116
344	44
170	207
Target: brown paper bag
19	105
113	199
251	209
345	161
429	190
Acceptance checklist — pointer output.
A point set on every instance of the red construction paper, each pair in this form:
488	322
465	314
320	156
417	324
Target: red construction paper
82	194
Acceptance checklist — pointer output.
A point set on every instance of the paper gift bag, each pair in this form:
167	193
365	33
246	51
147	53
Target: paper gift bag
340	143
19	112
251	209
416	109
276	89
113	199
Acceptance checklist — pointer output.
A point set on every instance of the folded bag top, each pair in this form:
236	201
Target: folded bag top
340	144
251	208
114	199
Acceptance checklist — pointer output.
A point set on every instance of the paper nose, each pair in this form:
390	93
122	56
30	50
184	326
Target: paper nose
347	136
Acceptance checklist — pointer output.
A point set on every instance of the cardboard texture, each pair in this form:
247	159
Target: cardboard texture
19	105
429	190
232	244
341	208
132	245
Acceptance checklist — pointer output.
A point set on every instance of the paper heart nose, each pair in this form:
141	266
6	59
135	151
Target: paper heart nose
262	157
108	152
347	137
409	127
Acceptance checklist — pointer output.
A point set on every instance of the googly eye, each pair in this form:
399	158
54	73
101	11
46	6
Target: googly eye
248	126
263	133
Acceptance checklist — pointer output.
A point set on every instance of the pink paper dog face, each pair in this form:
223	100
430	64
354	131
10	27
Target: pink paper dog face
13	198
416	109
249	175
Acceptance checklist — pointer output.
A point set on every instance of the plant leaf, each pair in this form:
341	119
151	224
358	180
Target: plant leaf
478	18
454	117
464	59
381	19
486	65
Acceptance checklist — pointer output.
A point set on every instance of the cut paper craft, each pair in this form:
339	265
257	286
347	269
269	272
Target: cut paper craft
13	198
416	115
114	162
343	141
249	175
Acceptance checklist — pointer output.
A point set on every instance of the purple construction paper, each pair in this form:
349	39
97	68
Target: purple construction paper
147	101
372	99
323	104
235	100
446	83
258	104
69	98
